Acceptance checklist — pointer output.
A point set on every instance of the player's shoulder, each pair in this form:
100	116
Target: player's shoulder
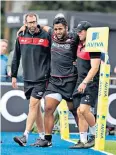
70	34
73	35
21	34
45	33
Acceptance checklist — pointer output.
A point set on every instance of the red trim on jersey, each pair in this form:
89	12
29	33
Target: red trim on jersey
34	41
81	52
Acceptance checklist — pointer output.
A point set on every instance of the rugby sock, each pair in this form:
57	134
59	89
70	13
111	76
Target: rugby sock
92	129
41	135
48	137
26	133
83	137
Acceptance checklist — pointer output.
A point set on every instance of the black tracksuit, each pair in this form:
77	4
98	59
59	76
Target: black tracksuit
35	52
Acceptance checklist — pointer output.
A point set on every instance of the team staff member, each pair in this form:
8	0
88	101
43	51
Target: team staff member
34	48
86	90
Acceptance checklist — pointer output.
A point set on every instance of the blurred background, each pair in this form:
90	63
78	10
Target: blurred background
99	13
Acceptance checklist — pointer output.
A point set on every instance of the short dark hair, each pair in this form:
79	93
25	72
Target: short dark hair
30	14
60	20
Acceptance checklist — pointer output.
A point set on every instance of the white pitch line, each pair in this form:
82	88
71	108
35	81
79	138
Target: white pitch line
69	140
102	151
74	133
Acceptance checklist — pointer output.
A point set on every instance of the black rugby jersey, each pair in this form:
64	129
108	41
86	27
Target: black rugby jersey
84	64
63	54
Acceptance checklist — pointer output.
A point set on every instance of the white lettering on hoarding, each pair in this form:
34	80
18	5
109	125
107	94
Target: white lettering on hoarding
3	104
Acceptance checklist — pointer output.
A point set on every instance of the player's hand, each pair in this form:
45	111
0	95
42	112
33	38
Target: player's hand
81	88
22	29
9	74
74	63
115	70
14	83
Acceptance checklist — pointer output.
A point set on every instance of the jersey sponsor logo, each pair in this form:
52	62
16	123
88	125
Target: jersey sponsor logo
65	46
41	40
23	40
68	40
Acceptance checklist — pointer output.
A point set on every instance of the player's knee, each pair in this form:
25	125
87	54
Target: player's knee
32	107
33	104
78	111
48	110
81	111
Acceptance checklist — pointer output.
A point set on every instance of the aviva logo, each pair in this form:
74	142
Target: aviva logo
95	41
95	35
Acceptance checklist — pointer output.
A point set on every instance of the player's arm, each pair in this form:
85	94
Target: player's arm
10	57
95	63
74	44
94	69
45	28
15	63
23	28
